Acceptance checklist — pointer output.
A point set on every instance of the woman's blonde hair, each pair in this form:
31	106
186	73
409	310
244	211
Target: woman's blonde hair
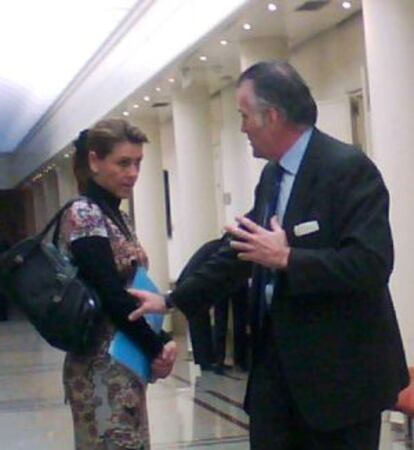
101	138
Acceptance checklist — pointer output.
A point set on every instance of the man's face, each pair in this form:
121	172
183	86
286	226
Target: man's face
255	122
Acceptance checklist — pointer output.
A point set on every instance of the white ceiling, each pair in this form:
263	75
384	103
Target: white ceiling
44	44
52	44
223	62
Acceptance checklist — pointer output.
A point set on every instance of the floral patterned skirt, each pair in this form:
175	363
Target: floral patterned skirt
108	404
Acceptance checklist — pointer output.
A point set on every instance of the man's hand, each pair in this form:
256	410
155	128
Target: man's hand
254	243
149	303
162	366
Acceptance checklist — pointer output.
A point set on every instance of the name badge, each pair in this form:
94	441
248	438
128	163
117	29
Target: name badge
305	228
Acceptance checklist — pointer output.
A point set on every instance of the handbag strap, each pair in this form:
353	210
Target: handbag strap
55	221
102	206
13	257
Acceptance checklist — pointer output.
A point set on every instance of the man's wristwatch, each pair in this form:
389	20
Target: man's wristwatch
168	300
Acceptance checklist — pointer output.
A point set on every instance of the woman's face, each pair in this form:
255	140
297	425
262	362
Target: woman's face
119	170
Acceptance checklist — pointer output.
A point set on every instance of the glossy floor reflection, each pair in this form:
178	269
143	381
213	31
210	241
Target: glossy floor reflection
187	411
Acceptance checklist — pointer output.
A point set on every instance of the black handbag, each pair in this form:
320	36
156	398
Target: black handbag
46	287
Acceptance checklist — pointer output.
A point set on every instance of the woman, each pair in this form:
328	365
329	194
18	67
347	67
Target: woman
108	401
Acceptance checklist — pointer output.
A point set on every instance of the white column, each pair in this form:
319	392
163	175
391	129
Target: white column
169	156
149	212
389	34
195	168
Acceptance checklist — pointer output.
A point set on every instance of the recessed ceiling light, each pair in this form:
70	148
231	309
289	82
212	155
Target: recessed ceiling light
135	106
171	80
224	42
147	98
203	58
346	5
125	113
271	7
247	26
66	155
158	89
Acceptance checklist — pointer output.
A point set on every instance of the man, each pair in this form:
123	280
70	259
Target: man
328	356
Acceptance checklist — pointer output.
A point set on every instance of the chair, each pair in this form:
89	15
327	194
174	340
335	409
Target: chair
405	404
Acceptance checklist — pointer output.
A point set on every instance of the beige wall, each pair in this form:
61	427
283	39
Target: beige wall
331	63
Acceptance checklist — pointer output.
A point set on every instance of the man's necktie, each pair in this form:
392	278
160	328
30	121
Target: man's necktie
273	194
268	277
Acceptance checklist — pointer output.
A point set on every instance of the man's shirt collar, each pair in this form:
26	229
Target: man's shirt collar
291	160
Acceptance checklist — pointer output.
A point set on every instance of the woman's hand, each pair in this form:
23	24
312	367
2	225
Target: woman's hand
150	303
162	365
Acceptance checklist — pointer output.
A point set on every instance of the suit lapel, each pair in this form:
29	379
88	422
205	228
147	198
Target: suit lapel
303	190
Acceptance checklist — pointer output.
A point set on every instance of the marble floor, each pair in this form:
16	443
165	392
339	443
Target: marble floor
187	411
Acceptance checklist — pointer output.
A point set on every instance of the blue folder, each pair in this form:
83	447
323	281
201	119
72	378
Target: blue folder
123	349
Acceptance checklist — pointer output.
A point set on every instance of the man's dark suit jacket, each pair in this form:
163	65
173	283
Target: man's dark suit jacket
200	324
333	319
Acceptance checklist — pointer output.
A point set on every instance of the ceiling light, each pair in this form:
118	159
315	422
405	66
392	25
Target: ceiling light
247	26
158	89
135	106
147	98
125	113
66	155
203	58
271	7
224	42
346	5
171	80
